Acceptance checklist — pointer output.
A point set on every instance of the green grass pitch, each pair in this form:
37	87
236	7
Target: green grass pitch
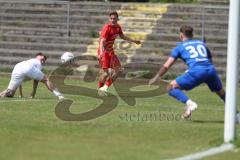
30	130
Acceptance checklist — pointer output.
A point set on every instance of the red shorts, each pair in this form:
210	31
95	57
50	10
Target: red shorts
109	60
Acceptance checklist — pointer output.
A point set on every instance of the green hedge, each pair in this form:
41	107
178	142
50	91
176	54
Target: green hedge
161	1
174	1
154	1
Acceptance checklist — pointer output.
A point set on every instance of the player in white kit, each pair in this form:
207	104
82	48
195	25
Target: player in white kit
30	69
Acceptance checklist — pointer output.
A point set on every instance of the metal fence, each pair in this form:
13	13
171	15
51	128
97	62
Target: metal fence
205	9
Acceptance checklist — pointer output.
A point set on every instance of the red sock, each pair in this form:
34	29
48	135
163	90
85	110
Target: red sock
109	82
100	84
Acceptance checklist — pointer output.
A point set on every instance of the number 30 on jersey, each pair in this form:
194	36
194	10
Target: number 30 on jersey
197	51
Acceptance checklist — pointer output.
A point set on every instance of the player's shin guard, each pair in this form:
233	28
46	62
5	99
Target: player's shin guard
178	94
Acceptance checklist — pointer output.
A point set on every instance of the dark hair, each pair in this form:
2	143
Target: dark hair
187	31
41	54
113	13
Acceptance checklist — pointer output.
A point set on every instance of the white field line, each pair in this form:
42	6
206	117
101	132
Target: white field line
207	153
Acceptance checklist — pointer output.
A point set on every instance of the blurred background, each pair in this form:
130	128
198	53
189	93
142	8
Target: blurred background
56	26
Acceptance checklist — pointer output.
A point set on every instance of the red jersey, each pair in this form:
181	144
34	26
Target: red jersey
110	33
109	59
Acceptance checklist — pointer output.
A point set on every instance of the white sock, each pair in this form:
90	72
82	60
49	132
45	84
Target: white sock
56	92
189	102
105	87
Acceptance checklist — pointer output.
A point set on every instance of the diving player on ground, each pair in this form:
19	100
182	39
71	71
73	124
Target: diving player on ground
30	69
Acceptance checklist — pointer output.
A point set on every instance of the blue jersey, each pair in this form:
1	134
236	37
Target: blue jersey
194	53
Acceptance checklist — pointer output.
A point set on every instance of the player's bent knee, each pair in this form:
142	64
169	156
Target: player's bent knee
103	76
172	85
169	87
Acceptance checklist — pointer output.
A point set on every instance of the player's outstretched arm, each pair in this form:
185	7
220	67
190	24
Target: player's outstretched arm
35	85
129	39
162	71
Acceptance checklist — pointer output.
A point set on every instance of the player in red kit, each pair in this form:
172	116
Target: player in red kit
108	61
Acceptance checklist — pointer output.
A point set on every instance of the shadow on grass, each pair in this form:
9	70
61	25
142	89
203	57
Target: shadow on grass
208	121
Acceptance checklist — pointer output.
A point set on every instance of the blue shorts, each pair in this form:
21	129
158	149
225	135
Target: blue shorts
197	76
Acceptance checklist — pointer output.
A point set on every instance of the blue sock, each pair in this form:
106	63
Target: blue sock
223	97
178	94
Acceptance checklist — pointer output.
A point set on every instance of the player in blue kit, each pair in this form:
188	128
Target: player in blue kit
198	58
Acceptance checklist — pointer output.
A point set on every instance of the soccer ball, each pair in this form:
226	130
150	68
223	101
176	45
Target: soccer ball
66	57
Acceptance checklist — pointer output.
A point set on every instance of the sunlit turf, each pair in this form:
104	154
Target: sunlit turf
29	128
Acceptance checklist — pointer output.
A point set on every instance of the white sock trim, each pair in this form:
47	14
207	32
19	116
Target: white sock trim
105	87
191	104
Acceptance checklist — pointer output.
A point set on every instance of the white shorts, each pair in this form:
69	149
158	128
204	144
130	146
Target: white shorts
19	75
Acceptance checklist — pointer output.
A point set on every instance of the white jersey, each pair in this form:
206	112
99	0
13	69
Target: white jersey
30	68
25	66
34	63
